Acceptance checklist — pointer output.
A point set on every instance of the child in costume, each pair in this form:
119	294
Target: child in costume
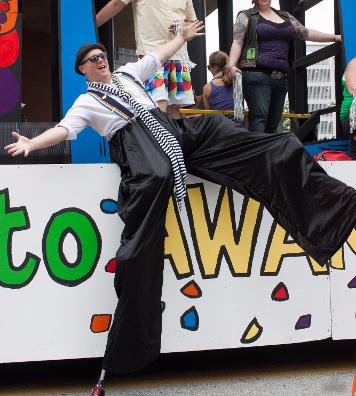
155	24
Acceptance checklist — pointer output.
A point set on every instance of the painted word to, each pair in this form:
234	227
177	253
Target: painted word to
67	221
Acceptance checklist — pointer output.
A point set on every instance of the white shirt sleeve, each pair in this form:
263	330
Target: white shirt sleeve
143	68
76	119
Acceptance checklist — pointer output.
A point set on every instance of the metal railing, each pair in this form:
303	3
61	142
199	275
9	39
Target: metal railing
301	131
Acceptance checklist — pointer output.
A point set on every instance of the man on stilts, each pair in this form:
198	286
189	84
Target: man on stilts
154	153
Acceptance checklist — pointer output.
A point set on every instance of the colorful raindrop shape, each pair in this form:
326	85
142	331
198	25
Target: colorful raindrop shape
280	292
4	6
163	306
352	283
191	290
11	9
303	322
111	266
190	319
3	18
108	206
9	91
9	48
252	333
100	323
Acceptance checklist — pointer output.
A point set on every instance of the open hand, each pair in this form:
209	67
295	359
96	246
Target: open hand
21	146
191	30
231	71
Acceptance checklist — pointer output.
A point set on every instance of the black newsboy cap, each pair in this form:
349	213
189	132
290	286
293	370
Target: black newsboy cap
82	51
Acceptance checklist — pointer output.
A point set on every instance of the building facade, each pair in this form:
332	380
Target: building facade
321	91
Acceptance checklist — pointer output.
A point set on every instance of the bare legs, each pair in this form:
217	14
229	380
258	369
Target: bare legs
172	110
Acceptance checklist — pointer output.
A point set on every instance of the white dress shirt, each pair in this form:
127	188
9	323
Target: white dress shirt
87	111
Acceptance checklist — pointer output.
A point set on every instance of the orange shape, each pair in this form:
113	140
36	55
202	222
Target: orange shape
11	18
9	49
100	323
191	290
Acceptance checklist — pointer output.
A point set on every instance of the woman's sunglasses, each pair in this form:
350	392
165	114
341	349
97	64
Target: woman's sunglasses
95	58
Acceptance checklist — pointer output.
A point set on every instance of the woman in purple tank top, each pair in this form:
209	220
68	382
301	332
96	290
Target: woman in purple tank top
218	94
261	47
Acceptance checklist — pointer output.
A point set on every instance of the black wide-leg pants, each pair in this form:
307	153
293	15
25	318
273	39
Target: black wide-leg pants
317	210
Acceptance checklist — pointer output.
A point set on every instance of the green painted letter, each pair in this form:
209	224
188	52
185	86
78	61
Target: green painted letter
11	220
84	230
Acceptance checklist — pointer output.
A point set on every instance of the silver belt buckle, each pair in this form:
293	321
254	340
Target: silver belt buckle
277	75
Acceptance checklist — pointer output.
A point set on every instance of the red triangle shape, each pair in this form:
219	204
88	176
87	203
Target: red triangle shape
280	294
111	266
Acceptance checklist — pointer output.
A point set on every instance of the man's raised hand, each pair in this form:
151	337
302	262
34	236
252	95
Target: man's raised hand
21	146
192	30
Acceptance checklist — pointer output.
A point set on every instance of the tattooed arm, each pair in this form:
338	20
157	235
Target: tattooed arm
312	35
240	28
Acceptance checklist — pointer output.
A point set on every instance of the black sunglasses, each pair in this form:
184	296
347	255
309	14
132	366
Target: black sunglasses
95	58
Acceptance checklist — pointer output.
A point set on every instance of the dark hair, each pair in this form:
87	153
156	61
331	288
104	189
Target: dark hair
82	51
220	59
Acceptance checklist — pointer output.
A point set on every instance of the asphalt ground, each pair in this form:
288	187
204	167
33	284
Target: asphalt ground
324	368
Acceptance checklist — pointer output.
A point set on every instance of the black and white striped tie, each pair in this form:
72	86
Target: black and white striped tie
168	143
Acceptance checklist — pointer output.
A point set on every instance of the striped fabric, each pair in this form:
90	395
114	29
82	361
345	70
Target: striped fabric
238	98
168	143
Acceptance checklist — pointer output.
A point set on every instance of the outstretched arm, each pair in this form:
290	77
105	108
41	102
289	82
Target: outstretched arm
109	11
48	138
188	32
312	35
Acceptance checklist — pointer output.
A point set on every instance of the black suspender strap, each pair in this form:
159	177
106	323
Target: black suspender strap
111	104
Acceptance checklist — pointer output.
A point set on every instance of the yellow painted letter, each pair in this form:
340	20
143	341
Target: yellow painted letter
219	238
175	245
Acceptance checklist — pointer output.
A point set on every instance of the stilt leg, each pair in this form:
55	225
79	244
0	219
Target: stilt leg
98	390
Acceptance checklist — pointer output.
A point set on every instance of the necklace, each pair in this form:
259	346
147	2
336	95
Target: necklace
218	75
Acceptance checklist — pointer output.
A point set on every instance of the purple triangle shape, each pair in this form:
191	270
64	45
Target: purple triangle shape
303	322
352	283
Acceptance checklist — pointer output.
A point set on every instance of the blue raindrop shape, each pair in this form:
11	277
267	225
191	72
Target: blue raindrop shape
108	206
190	319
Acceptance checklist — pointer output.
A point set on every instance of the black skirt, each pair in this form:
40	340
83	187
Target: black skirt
318	211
